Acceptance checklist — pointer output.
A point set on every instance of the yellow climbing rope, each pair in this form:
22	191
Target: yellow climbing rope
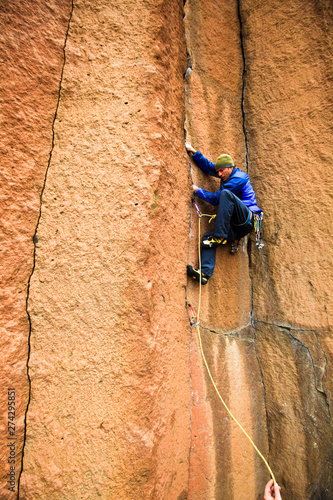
207	367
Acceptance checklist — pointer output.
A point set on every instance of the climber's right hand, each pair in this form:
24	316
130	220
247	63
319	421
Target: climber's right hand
189	148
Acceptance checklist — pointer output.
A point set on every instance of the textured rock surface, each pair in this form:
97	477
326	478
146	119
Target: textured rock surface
32	36
288	120
93	156
222	460
298	409
109	355
288	110
287	132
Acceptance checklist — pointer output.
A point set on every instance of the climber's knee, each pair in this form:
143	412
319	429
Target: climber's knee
226	194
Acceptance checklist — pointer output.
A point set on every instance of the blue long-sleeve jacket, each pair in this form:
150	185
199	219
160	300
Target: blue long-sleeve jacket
238	183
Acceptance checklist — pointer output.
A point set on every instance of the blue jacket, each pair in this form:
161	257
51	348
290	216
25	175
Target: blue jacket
238	183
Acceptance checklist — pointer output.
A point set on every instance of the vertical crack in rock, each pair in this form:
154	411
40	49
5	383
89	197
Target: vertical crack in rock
249	248
35	241
289	330
241	36
322	391
186	75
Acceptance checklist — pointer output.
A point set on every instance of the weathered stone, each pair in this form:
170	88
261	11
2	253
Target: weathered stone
222	459
298	410
93	157
288	111
287	127
110	395
32	37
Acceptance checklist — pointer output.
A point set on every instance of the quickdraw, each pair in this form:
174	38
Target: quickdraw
258	229
197	209
204	215
193	317
234	246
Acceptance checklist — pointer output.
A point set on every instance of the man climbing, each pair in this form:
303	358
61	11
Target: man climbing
236	203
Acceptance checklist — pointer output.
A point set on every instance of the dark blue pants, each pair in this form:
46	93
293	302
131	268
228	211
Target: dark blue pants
233	221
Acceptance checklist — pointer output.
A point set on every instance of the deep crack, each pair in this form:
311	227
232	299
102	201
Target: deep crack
235	333
185	76
286	327
241	36
289	330
35	240
307	348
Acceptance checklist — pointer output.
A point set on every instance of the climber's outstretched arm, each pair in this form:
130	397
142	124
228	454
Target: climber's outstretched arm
212	198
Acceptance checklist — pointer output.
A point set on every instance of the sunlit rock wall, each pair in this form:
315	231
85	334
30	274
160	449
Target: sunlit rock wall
288	104
109	410
32	38
260	88
111	396
222	460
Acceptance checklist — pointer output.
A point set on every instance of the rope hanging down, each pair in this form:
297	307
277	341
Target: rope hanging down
195	322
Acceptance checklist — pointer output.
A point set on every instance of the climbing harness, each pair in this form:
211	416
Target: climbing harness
235	244
195	321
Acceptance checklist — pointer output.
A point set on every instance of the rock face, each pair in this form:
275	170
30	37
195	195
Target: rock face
288	110
273	83
112	398
109	365
32	38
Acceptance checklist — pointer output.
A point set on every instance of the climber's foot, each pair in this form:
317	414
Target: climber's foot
195	274
213	241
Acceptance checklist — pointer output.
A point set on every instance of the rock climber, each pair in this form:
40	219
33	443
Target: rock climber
236	203
272	491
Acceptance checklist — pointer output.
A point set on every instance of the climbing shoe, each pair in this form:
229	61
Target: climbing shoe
213	241
195	273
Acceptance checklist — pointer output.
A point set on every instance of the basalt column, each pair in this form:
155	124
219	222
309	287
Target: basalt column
32	40
288	104
222	460
259	86
109	410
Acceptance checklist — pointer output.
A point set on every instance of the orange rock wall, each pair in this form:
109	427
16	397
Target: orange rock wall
109	367
32	38
288	110
259	87
112	398
222	460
